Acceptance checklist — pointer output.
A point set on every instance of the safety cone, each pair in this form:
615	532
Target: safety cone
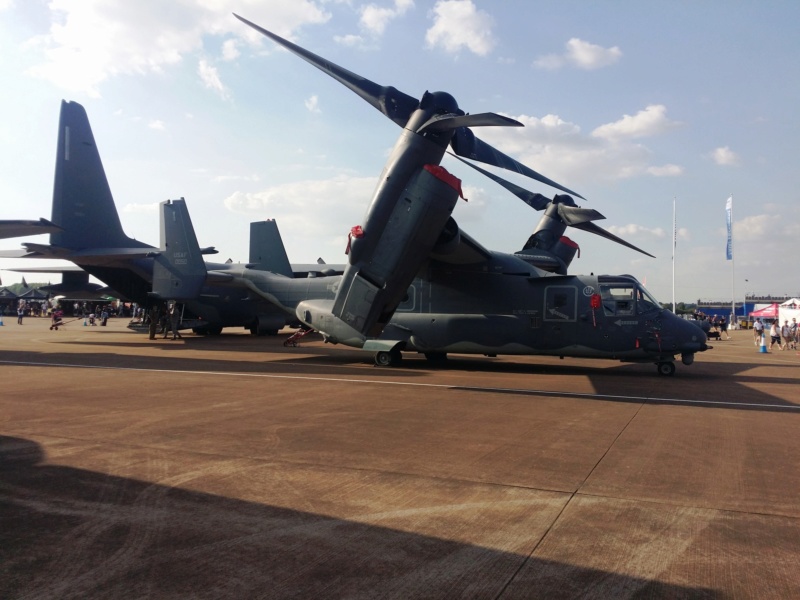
763	344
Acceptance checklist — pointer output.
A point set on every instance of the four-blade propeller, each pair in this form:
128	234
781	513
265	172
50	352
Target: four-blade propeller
399	107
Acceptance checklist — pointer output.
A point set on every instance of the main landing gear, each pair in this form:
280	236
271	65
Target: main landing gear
392	358
666	368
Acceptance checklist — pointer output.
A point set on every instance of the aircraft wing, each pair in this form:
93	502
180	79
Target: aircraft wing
460	249
20	228
59	269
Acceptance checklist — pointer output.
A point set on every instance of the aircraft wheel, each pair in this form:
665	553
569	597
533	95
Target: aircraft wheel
388	359
666	368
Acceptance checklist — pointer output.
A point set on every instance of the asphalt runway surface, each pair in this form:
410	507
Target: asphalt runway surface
233	467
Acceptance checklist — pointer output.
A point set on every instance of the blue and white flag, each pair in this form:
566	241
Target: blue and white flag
729	219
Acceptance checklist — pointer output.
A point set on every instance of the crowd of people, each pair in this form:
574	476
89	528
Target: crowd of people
784	336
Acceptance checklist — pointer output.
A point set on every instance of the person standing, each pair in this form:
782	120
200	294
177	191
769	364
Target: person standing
775	335
723	328
786	335
758	330
154	316
20	311
174	320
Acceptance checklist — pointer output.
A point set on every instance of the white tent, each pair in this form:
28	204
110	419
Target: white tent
789	310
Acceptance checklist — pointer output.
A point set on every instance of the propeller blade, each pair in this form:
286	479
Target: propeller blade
535	201
592	228
466	144
439	123
399	107
571	215
389	100
575	215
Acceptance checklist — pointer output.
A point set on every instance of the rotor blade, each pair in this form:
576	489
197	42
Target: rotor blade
466	144
592	228
536	201
447	122
389	100
575	215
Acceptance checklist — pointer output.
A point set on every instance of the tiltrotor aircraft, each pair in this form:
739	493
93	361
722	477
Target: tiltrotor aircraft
415	282
85	229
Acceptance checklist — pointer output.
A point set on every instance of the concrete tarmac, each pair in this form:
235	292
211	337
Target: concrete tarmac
233	467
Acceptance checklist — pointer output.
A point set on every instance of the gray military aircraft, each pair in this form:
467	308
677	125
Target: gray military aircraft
415	281
85	229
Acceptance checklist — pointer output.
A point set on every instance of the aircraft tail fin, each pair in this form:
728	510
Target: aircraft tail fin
179	271
82	202
267	252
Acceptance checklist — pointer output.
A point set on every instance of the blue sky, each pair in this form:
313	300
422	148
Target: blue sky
633	104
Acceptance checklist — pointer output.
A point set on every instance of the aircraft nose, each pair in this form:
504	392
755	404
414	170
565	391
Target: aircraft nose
690	337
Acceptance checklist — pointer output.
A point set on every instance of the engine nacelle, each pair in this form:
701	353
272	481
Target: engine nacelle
374	284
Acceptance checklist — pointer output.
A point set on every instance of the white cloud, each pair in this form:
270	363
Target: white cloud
580	54
134	208
309	208
375	19
665	171
560	150
634	230
230	51
92	41
725	157
210	78
348	40
312	104
648	122
758	227
157	124
459	24
226	178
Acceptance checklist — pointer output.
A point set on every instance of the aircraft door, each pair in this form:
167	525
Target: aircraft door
560	316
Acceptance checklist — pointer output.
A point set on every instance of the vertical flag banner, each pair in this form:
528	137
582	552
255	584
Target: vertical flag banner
729	220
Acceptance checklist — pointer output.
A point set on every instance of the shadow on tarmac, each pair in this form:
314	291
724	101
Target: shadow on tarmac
74	533
703	383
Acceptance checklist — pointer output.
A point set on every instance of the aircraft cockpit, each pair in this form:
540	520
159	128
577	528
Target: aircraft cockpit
624	296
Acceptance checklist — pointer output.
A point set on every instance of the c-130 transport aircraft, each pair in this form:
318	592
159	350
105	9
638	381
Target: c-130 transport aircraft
415	282
86	230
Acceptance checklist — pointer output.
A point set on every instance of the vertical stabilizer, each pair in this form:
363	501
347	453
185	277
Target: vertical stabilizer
82	202
179	271
267	252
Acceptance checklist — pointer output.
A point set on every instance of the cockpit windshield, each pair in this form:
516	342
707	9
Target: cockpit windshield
624	296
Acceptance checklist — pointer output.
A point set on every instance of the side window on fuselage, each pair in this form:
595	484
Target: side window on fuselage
560	303
618	300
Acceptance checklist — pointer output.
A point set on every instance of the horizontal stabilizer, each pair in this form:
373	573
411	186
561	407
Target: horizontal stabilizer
19	228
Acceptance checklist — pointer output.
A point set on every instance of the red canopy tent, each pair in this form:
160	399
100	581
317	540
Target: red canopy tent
768	312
